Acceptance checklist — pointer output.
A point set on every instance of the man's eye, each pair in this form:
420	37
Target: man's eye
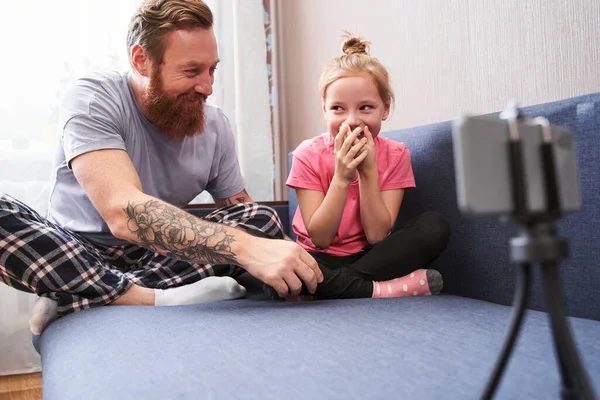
191	71
213	69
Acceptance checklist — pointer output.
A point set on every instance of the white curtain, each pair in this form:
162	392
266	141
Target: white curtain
67	38
241	89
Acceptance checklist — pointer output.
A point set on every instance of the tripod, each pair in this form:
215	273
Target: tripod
539	243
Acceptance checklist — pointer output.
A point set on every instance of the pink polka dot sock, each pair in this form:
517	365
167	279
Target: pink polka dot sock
422	282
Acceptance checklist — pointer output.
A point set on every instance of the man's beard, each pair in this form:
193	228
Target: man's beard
177	117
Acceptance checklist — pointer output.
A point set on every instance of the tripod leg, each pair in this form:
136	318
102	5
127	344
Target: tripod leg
574	379
516	320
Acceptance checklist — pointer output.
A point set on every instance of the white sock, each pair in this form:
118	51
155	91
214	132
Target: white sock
43	313
207	290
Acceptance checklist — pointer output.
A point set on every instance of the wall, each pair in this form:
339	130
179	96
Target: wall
445	56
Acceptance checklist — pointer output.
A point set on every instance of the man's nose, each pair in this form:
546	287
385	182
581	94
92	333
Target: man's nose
204	85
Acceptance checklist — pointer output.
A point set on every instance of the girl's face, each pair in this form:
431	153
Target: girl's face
355	101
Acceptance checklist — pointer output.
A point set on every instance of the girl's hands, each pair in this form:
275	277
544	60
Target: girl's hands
370	162
350	152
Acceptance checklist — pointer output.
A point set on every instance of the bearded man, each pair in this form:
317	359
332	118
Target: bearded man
134	148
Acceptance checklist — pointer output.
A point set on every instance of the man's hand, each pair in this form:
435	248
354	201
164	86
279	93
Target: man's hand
283	265
349	153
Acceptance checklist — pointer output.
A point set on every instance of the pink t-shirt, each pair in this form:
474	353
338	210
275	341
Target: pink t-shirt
313	168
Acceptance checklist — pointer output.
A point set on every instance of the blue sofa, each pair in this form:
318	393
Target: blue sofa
411	348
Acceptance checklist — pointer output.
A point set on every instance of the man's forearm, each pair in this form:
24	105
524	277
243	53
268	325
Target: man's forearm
168	230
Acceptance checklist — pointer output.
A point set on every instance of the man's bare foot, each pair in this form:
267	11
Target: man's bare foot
136	296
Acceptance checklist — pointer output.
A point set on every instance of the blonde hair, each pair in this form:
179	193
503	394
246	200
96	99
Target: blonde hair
356	61
155	18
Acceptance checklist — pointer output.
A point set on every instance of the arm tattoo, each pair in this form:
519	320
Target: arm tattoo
166	229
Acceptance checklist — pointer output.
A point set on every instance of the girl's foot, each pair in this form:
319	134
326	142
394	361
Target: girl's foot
422	282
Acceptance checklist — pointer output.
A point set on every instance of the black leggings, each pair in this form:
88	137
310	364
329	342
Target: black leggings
411	247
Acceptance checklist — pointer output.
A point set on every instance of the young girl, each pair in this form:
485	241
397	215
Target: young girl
350	183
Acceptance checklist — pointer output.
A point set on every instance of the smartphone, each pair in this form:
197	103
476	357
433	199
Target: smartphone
482	166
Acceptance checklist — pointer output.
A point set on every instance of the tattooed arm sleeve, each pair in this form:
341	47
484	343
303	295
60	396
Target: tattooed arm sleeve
110	180
168	230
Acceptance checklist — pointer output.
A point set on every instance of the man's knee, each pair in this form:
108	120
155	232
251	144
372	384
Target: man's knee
435	228
276	228
266	220
265	209
8	205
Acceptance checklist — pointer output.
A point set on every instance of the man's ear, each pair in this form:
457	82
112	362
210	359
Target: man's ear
387	106
140	60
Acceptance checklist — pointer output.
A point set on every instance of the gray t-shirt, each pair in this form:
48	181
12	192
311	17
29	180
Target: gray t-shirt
100	112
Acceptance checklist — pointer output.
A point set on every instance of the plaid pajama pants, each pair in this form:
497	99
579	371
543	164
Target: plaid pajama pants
40	257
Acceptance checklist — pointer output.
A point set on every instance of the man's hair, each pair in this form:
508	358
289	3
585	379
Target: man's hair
155	18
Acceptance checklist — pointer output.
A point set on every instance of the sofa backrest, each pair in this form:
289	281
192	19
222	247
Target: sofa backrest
476	263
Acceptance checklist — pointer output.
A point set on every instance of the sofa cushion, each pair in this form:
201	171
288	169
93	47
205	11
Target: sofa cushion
425	347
